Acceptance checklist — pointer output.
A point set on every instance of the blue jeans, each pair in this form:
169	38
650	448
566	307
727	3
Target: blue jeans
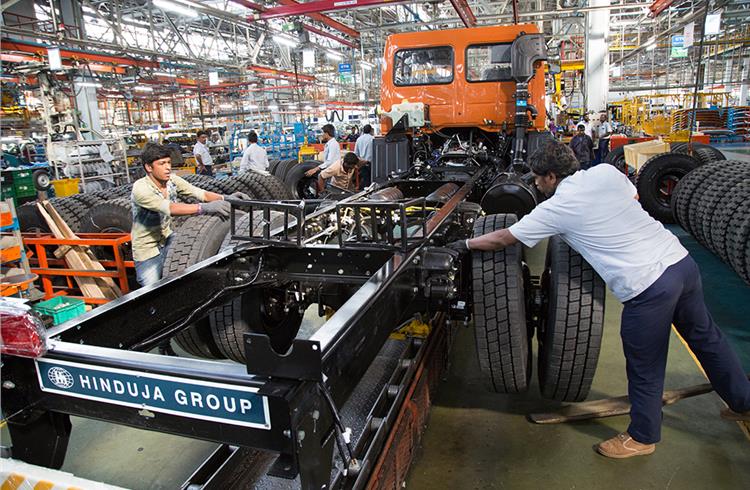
149	271
675	298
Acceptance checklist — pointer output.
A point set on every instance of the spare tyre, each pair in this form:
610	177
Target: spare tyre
198	238
729	204
701	151
30	219
657	179
616	158
41	179
113	216
500	332
686	189
299	185
570	330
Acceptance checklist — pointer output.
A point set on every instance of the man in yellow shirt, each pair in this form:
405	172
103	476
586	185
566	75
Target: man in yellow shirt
154	202
340	171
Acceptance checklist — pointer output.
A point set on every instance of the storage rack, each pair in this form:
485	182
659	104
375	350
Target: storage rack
84	160
15	252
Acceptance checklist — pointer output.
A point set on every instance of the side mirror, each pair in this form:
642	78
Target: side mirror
526	50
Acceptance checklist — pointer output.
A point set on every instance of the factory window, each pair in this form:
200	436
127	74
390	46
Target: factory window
488	63
424	66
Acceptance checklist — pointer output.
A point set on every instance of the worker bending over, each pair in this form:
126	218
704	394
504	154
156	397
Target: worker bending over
340	171
154	201
646	268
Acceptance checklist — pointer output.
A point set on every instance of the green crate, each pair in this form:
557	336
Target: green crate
61	309
7	191
21	175
25	190
24	181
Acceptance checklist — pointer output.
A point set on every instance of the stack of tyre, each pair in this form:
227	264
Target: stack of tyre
292	174
712	203
658	177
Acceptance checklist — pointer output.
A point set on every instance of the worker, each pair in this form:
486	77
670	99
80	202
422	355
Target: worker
154	202
332	150
339	172
363	147
254	157
202	155
659	285
603	132
583	147
586	121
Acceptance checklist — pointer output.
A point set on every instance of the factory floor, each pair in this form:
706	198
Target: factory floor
477	439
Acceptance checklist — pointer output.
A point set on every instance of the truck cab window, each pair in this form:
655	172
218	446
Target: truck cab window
428	66
488	63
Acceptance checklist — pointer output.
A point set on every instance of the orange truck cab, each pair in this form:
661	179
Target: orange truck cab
463	77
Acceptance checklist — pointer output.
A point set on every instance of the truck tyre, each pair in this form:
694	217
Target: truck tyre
500	332
616	158
41	179
656	181
30	220
89	199
725	210
685	191
737	239
273	186
198	238
71	211
298	184
120	191
283	168
113	216
570	331
704	153
254	311
707	206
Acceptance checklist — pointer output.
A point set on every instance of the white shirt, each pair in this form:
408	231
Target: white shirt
603	129
331	153
254	157
587	128
202	150
363	147
594	211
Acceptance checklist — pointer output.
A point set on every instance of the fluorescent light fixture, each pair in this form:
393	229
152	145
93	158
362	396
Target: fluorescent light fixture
308	107
322	108
362	95
143	88
291	105
165	74
225	106
366	65
170	6
334	55
331	92
285	41
651	47
308	58
251	106
55	61
273	107
651	40
89	84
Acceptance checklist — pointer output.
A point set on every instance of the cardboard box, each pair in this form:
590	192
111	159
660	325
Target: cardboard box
637	154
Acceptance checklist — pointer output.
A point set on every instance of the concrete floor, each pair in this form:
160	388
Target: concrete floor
478	439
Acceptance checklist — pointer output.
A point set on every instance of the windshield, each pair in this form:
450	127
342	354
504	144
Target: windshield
424	66
488	63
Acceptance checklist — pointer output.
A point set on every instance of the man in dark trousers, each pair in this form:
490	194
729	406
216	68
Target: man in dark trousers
583	147
646	268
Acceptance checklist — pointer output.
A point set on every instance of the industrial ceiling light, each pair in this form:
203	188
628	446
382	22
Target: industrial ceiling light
143	88
285	41
334	55
651	47
89	84
308	107
366	65
165	74
273	107
170	6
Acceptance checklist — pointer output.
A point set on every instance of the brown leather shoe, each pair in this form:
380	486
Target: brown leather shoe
729	414
623	446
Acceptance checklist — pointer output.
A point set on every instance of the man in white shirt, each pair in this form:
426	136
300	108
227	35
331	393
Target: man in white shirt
603	132
363	146
586	121
254	157
331	151
646	268
202	155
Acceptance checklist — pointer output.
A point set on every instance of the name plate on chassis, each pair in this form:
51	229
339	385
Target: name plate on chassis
218	402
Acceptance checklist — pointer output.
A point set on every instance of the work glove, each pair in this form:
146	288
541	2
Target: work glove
219	208
238	195
461	246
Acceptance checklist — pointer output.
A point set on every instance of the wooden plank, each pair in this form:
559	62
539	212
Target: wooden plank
87	285
106	284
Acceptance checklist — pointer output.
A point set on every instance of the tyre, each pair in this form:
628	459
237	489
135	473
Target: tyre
30	219
738	237
704	153
657	179
272	164
113	216
257	190
198	238
616	158
273	186
500	331
89	199
298	184
72	211
726	209
41	179
716	187
120	191
570	332
685	191
284	167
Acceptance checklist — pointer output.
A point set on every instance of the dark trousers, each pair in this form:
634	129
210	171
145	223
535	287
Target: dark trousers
676	297
602	150
207	170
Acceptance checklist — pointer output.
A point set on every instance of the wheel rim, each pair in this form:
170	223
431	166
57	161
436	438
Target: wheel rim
666	186
43	181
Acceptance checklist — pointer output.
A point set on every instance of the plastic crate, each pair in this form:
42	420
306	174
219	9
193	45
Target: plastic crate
65	187
61	309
